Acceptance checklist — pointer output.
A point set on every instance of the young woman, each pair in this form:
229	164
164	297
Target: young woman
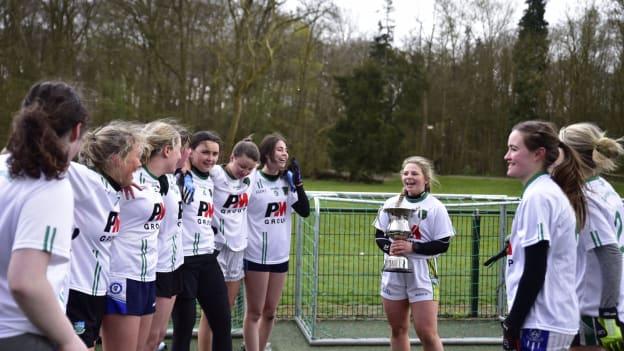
201	274
132	289
541	256
599	260
269	230
170	251
110	155
232	185
431	235
36	220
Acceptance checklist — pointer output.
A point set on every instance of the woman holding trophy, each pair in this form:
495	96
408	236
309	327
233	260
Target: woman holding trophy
412	228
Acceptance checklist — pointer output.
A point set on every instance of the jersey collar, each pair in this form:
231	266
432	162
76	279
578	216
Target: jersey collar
531	180
200	174
111	181
417	198
149	173
270	177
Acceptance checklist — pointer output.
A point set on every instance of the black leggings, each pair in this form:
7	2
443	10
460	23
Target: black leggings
203	280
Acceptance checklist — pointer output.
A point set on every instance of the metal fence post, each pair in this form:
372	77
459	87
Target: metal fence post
502	235
315	284
298	266
474	277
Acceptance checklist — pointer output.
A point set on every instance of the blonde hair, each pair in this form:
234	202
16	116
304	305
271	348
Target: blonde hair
598	153
426	167
158	135
114	138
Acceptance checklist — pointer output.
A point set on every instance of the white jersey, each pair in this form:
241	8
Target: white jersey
268	220
604	212
231	198
35	214
544	213
429	222
96	222
134	252
170	252
197	233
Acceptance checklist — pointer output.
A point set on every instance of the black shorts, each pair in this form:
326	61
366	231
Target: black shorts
191	270
259	267
85	313
169	284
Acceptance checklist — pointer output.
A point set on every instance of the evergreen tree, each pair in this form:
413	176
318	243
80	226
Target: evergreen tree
530	61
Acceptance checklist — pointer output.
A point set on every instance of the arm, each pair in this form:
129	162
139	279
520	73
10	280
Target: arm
302	206
33	293
610	260
432	247
530	284
382	241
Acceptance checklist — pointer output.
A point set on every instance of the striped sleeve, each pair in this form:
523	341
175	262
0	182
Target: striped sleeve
44	224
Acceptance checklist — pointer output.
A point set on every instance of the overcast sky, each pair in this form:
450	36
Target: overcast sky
365	14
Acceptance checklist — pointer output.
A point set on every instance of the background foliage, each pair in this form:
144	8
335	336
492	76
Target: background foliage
450	93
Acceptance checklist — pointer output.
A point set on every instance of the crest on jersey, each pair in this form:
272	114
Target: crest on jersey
285	190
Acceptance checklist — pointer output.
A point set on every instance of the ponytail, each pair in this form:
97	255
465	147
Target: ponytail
569	176
49	112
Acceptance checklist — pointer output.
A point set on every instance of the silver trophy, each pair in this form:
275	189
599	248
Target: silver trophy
398	229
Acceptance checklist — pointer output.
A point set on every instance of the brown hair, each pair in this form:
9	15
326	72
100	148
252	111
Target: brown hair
567	174
48	113
267	147
246	147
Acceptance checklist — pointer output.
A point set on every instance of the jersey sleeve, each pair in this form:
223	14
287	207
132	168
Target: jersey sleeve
47	225
533	223
442	225
381	222
598	230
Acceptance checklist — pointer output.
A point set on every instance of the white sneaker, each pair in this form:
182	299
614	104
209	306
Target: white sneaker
162	346
268	347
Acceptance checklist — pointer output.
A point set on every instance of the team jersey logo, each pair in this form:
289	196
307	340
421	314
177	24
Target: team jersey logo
235	203
416	232
275	213
205	209
158	213
112	223
205	213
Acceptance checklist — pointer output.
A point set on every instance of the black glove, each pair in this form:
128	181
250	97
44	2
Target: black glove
511	337
296	172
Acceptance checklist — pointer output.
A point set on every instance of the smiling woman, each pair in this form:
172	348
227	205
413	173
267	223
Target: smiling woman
431	232
541	256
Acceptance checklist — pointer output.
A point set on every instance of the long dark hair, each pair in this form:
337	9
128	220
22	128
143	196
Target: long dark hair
567	174
267	147
48	113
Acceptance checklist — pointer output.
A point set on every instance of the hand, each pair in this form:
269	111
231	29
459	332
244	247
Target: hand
511	337
188	188
608	331
296	172
400	248
128	192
